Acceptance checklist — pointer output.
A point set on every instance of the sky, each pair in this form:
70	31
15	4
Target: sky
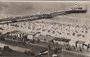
44	0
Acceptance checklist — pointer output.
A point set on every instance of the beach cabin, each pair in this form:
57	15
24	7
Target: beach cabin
79	45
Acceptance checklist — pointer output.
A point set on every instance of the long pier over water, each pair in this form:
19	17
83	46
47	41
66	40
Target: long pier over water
39	16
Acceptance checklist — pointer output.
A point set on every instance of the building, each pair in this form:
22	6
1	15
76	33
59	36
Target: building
15	36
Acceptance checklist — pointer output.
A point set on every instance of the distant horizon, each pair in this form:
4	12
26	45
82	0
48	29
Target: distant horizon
45	0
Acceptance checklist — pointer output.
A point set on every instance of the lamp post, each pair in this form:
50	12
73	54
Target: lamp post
62	51
49	48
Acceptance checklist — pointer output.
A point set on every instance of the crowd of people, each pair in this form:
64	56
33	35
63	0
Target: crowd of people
55	29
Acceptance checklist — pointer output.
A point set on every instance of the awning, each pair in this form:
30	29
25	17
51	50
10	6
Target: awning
80	42
45	37
61	39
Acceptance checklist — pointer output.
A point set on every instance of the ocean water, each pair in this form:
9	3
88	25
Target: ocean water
8	9
27	8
